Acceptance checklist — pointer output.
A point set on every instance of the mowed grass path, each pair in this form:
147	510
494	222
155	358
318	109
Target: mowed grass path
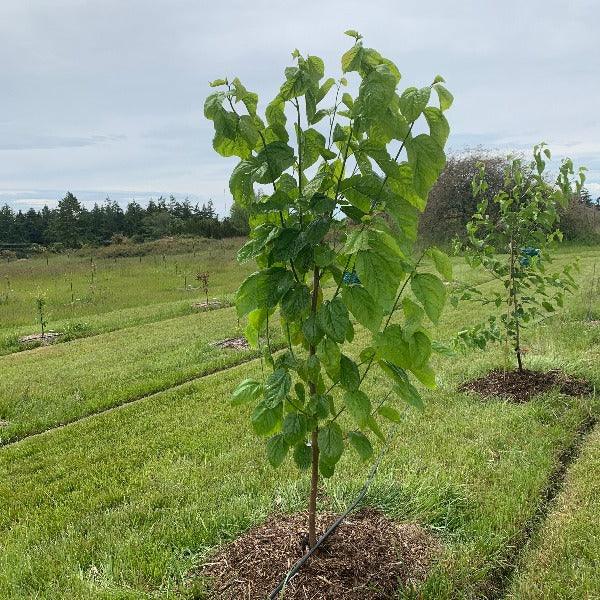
45	387
564	561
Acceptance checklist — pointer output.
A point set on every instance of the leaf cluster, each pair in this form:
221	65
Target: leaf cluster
515	246
349	176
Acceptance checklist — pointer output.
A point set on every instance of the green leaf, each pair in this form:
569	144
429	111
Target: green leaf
439	129
359	406
445	97
549	307
247	391
329	354
275	114
349	373
277	386
313	234
277	449
357	240
333	319
256	320
390	413
351	60
413	316
294	428
442	263
430	292
363	306
360	442
413	101
402	185
409	393
326	469
253	247
380	274
353	33
218	82
376	91
331	442
263	289
295	303
302	456
241	183
426	376
311	330
272	161
313	143
265	420
427	159
391	345
374	427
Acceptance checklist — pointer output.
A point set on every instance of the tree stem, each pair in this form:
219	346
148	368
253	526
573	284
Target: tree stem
314	440
314	488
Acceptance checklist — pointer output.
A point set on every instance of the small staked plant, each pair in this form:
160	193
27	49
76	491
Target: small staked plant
355	168
203	279
514	247
40	304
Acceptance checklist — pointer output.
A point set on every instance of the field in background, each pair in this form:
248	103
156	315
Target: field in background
88	292
155	468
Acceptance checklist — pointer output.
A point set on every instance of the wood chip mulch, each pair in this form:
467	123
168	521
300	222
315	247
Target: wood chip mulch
47	338
236	343
520	386
369	557
210	306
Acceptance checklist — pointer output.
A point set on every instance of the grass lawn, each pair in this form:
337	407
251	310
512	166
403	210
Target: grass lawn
121	283
47	386
564	560
121	505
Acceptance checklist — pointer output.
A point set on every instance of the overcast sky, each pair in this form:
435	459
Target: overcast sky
105	97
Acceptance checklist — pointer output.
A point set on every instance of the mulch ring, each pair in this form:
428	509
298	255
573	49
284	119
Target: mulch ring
236	343
212	305
369	557
520	386
48	338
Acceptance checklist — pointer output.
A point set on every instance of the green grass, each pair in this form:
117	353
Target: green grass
123	504
143	289
51	385
564	561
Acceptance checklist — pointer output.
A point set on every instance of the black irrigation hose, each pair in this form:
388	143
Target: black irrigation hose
294	570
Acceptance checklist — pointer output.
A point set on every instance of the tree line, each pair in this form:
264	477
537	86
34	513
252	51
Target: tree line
72	225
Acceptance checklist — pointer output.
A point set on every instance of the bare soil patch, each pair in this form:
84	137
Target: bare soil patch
48	338
369	557
521	386
236	343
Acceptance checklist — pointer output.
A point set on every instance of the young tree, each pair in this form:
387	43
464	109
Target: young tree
514	247
40	304
354	170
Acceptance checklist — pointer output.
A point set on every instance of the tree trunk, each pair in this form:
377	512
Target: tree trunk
314	441
515	306
314	488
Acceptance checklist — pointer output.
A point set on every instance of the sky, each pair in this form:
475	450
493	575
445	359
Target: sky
106	97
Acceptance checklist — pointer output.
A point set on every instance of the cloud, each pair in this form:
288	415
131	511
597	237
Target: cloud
50	142
109	95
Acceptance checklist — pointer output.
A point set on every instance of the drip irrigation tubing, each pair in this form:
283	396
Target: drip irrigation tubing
296	568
